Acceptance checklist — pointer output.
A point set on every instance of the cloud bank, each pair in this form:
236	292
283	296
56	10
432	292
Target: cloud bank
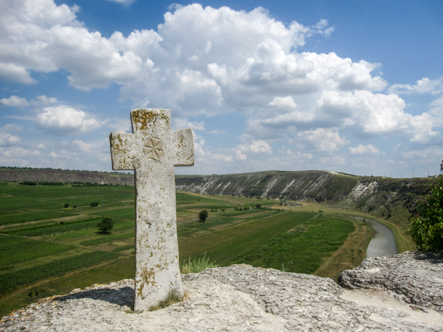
203	62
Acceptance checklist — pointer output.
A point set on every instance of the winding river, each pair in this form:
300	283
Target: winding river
383	242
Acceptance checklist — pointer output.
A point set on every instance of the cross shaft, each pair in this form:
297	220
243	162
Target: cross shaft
152	151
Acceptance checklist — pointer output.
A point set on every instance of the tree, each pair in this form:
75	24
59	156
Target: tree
202	216
105	225
426	226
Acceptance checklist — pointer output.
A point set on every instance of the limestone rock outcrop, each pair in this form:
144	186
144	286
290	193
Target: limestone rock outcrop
244	298
413	277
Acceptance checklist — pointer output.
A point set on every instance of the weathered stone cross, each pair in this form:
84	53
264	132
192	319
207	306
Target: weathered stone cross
152	151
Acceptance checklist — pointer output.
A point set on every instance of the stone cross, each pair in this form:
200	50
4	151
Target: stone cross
152	151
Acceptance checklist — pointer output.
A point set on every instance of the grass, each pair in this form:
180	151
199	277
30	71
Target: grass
350	254
302	248
172	298
227	245
47	249
107	238
12	280
220	218
55	228
12	253
196	265
106	272
403	241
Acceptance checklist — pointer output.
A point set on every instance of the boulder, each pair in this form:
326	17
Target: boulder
413	277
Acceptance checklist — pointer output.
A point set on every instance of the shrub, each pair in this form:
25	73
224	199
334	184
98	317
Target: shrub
28	183
93	204
66	205
202	216
105	225
426	226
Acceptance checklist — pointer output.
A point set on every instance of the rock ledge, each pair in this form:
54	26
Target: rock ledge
412	277
244	298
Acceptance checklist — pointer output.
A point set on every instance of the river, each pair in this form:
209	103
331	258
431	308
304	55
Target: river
383	242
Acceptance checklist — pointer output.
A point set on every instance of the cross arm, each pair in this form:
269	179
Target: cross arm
121	153
183	147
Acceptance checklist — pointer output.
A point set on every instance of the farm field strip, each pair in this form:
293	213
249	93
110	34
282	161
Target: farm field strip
10	281
227	245
12	253
302	251
350	253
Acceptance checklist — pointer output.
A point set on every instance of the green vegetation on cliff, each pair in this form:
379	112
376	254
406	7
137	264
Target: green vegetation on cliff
426	226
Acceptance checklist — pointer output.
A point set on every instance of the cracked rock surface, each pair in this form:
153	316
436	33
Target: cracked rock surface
413	277
244	298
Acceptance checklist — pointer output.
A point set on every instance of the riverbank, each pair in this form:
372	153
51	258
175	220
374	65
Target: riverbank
403	242
382	242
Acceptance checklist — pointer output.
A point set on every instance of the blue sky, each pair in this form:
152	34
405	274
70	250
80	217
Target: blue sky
350	86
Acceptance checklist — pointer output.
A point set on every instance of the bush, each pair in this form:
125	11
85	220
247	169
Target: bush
66	205
426	226
28	183
105	225
93	204
202	216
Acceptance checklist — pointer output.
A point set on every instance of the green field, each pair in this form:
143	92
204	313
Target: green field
49	242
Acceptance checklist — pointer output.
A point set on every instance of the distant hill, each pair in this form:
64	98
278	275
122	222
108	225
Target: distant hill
65	176
378	195
393	200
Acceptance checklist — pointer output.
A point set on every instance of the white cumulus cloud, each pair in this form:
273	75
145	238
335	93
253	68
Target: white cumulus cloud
43	100
255	147
65	120
322	140
364	150
123	2
425	85
14	101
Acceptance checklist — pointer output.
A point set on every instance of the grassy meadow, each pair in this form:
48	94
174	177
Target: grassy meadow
49	242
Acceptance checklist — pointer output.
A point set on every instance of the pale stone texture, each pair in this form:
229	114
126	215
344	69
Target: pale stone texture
414	277
234	298
153	151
